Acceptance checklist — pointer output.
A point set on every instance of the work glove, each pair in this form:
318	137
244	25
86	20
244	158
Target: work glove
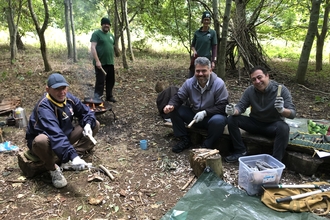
79	164
200	116
279	104
230	109
87	130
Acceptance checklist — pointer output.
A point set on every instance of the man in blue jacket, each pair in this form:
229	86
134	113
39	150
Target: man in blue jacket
50	131
208	97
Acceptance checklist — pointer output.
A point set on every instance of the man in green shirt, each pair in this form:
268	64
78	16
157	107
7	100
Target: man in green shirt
204	43
102	49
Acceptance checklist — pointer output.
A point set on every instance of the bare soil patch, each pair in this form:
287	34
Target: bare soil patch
147	183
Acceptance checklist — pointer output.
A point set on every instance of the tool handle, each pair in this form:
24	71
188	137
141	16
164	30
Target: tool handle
191	123
289	198
279	90
285	199
280	186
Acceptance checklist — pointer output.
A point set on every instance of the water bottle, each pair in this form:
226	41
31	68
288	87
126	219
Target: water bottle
20	117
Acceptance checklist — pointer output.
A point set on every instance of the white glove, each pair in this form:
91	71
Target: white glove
279	104
230	109
200	116
87	130
79	164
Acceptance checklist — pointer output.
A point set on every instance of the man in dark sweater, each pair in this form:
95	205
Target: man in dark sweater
270	104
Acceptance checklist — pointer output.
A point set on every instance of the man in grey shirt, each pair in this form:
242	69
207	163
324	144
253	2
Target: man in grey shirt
270	104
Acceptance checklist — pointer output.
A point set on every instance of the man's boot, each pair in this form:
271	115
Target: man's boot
183	144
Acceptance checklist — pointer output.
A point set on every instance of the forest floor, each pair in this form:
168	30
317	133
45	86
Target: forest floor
147	183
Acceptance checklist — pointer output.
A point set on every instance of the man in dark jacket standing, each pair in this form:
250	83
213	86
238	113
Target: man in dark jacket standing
50	131
208	96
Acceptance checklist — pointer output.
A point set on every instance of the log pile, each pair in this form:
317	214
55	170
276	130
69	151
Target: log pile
9	104
200	158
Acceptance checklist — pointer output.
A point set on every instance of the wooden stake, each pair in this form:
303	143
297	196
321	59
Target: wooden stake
187	184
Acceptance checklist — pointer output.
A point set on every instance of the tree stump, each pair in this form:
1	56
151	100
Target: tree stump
200	158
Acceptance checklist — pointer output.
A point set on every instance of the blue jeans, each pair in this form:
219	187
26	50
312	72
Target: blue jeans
278	130
214	124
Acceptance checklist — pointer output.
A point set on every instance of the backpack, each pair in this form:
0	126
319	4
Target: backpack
318	203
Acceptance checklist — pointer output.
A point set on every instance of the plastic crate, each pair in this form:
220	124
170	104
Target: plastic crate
252	180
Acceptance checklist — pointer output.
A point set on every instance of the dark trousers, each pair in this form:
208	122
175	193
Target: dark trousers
214	124
278	130
107	80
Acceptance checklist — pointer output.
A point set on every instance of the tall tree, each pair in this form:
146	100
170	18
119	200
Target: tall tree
320	37
67	28
308	43
223	43
41	32
75	56
13	26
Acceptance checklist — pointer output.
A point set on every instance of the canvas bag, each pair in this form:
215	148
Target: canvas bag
317	203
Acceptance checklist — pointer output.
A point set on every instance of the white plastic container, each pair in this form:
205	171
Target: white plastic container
252	180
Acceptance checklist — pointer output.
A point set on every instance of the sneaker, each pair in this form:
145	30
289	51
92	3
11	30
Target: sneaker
183	144
234	157
58	179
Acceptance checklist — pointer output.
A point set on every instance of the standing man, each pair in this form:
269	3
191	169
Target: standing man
204	43
270	104
208	96
50	131
102	48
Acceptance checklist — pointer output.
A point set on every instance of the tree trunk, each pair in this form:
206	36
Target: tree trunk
12	26
320	38
121	27
215	7
67	28
128	31
223	43
12	33
308	43
41	32
116	29
75	56
19	42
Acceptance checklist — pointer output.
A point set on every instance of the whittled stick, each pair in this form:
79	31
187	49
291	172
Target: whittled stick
92	138
191	123
279	89
107	172
105	73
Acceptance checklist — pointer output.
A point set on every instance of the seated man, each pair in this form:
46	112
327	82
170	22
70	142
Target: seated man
50	131
270	105
208	97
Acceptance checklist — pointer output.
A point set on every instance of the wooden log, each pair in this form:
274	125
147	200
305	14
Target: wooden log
28	167
215	163
200	158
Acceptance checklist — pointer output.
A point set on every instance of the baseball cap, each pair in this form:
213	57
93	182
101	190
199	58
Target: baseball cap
56	80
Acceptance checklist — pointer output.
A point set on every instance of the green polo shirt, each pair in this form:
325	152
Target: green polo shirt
203	42
104	48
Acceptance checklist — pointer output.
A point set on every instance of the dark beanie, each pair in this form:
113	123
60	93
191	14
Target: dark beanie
105	21
206	14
